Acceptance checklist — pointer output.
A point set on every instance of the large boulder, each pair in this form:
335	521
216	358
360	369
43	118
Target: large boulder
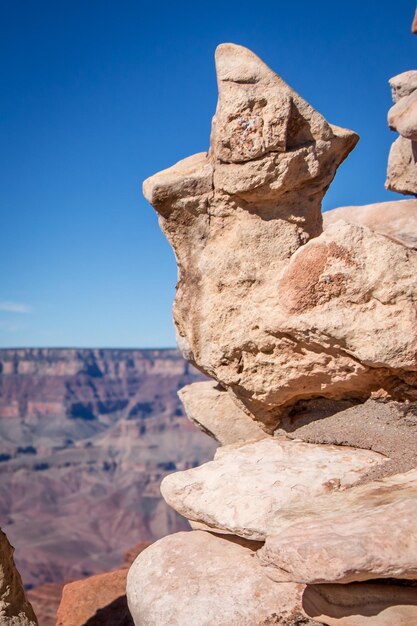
403	84
243	489
15	609
397	219
266	304
363	533
198	579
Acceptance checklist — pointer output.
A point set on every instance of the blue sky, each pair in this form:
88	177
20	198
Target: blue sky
97	95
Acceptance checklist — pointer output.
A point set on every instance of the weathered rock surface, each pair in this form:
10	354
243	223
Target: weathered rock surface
361	604
15	610
402	117
363	533
396	220
96	601
403	84
243	489
266	305
214	412
200	579
402	167
389	428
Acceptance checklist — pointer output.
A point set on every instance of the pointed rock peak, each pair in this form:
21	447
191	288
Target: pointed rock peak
240	65
258	113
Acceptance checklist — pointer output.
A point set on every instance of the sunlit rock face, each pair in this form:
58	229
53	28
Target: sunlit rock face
267	304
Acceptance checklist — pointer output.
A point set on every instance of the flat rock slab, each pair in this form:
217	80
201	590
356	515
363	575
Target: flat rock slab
244	487
363	533
396	220
389	428
199	579
215	413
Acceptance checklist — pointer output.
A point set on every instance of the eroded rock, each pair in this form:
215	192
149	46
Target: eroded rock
402	117
363	533
15	610
98	600
244	488
396	220
402	167
361	604
264	298
403	84
214	412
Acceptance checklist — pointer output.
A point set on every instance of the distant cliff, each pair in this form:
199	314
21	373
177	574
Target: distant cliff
86	436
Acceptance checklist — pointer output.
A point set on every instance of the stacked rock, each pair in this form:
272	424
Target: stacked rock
307	514
402	117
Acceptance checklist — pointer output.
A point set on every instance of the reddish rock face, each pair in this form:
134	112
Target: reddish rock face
96	601
87	436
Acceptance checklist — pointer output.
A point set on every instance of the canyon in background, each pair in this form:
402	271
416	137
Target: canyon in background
86	437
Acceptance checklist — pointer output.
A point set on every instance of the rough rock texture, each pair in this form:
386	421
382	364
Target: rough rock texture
15	610
389	428
96	601
243	488
403	84
396	220
361	604
200	579
402	117
402	167
267	305
363	533
214	412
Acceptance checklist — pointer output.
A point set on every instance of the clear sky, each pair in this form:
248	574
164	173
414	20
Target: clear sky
99	94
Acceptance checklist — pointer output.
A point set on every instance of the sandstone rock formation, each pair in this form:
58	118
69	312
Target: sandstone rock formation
264	300
365	533
312	334
396	220
214	412
245	487
15	610
402	166
98	600
224	583
403	84
361	604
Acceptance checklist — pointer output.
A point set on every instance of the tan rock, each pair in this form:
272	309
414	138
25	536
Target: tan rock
99	600
402	117
363	533
397	220
414	24
214	412
403	84
263	297
402	168
199	579
361	604
15	610
244	488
